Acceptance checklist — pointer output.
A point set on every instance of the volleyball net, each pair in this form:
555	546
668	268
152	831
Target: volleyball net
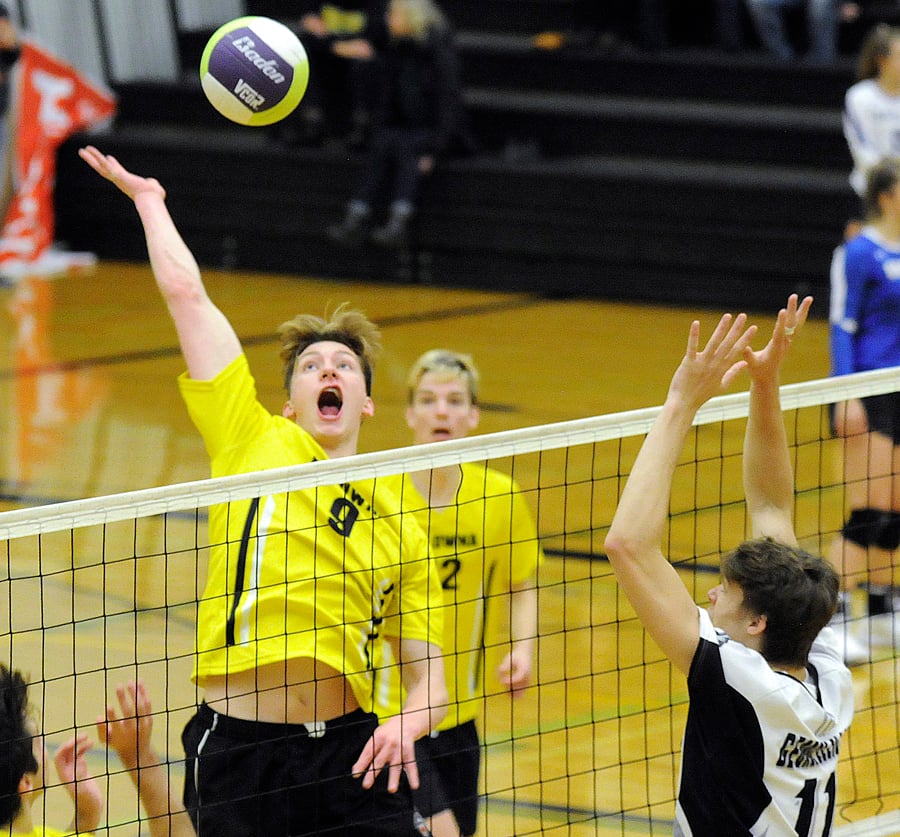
101	591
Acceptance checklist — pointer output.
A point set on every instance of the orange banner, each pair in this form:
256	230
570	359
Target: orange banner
50	101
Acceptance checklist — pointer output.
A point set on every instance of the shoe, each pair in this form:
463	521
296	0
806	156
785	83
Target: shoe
394	235
352	231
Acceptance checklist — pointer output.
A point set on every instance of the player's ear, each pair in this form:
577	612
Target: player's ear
26	783
288	411
758	624
368	408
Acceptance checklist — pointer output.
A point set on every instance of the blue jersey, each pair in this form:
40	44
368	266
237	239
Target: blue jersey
865	304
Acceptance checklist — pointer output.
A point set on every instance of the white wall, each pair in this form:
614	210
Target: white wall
120	40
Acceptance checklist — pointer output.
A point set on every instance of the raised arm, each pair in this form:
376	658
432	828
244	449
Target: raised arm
128	730
208	342
79	784
768	473
634	543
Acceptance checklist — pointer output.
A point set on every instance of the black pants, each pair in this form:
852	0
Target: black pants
644	21
391	171
248	779
338	86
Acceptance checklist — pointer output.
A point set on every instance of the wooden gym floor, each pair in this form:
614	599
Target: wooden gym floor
91	408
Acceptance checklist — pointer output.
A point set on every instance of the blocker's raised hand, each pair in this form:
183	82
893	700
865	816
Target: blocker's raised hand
790	320
709	371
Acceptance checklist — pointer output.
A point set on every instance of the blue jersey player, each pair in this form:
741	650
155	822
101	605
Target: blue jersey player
865	334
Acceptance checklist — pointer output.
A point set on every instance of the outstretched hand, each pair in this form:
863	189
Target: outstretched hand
710	371
128	729
766	362
79	784
109	167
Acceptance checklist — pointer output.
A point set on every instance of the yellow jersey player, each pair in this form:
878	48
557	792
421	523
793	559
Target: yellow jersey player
303	589
483	541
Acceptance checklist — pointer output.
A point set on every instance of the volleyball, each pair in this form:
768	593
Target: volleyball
254	70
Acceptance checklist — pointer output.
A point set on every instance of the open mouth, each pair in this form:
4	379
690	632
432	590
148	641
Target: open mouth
330	402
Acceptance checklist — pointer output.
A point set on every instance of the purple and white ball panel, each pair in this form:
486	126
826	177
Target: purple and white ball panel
247	74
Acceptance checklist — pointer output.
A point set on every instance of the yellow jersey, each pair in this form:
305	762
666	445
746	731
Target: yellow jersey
323	573
482	546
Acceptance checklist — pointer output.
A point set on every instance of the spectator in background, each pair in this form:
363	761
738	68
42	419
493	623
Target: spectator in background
419	118
342	39
768	17
872	106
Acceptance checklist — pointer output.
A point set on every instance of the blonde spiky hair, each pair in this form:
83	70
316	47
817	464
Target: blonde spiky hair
344	325
444	362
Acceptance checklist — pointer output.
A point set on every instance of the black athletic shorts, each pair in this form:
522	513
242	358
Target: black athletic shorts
256	779
882	413
448	763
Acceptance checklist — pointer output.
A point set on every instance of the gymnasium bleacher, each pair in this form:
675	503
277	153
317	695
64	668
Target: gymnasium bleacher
686	176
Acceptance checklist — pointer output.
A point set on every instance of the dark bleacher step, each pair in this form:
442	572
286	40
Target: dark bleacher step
729	224
673	128
487	15
164	103
523	16
509	60
696	233
503	60
577	124
605	189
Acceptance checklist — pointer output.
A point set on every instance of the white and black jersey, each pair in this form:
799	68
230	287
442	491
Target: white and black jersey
871	127
760	747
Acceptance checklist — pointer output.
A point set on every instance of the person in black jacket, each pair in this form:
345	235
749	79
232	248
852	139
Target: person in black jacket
343	39
418	119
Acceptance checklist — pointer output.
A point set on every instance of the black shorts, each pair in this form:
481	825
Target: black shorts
448	775
882	413
250	778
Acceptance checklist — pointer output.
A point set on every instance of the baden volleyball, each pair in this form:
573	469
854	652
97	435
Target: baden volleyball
254	70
